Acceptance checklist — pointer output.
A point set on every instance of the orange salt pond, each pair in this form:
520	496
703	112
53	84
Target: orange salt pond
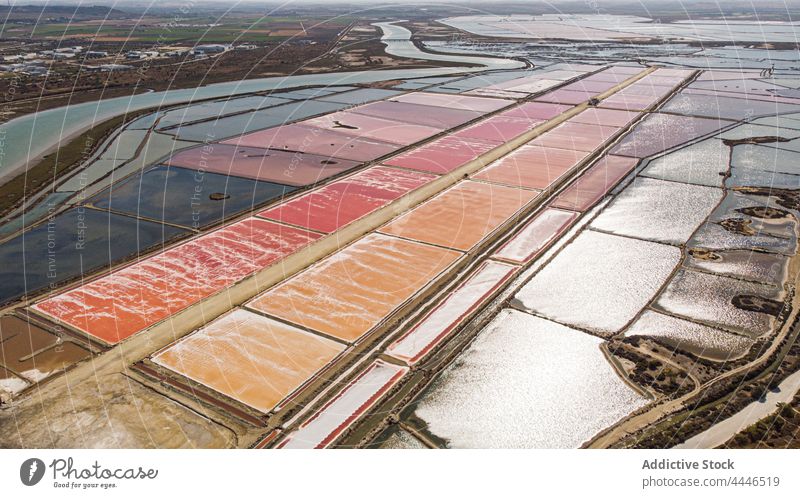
532	166
350	292
114	307
250	358
462	216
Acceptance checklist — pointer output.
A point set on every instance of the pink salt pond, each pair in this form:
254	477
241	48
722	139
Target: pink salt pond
536	110
464	102
335	205
605	117
536	236
595	183
442	155
373	128
440	322
313	140
278	166
436	117
498	128
576	136
561	96
532	166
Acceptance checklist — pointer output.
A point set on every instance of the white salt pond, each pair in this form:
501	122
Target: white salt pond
599	282
700	340
526	382
663	211
703	163
708	298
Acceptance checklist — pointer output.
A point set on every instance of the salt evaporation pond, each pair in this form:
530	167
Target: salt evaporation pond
659	132
217	108
72	245
700	340
599	282
230	126
186	197
250	358
765	159
749	265
526	382
703	163
658	210
709	299
751	130
717	107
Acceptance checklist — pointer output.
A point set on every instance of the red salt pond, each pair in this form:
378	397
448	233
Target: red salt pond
536	236
373	128
115	307
595	183
278	166
605	117
313	140
443	155
462	216
355	400
464	102
347	294
537	110
531	166
576	136
440	322
333	206
436	117
498	128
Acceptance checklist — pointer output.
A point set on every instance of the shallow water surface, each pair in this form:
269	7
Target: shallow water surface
700	340
703	163
709	298
526	382
658	210
599	282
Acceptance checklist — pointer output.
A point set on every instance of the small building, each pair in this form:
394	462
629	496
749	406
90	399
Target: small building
95	54
114	67
209	49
